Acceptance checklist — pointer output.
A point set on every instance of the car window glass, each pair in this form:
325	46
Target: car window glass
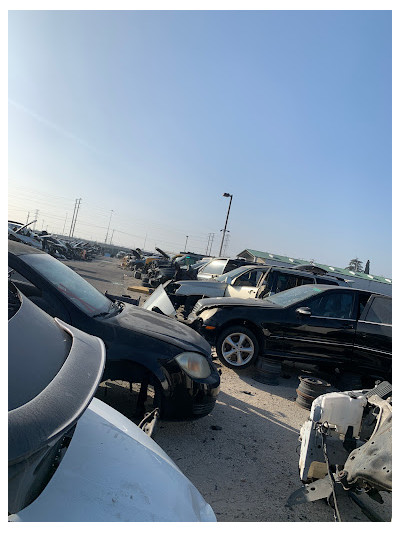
285	282
215	267
334	305
25	285
248	279
362	302
231	274
69	283
380	311
305	281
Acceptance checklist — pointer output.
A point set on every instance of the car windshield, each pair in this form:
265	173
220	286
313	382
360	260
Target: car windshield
228	277
80	292
293	296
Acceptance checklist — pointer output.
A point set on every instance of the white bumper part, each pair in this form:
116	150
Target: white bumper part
111	472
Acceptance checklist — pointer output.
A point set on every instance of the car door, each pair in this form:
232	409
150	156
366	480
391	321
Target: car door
327	334
373	339
245	285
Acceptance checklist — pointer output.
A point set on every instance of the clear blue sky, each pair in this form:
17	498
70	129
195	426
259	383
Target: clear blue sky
155	115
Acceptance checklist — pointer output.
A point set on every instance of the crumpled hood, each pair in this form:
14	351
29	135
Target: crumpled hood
206	303
160	327
206	288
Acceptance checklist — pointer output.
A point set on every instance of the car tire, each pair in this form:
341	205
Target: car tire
237	347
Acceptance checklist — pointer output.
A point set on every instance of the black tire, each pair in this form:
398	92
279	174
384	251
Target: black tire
245	342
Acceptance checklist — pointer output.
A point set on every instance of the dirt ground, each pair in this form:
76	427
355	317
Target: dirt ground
242	457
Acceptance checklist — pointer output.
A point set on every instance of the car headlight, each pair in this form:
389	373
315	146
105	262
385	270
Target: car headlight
194	364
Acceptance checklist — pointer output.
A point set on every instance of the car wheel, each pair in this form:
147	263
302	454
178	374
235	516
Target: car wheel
237	347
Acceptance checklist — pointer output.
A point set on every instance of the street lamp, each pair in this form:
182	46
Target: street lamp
186	242
226	194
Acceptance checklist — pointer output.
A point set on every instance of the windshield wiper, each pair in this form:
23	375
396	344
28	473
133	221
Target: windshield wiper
115	306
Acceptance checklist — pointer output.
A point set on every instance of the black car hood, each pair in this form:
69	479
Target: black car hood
206	303
160	327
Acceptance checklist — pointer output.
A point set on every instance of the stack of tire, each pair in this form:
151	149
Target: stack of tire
267	371
310	388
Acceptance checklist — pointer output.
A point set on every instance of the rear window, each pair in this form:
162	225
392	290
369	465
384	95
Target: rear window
215	267
380	311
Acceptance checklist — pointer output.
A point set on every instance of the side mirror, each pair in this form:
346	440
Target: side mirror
303	311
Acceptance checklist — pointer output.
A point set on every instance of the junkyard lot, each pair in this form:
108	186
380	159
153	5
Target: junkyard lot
243	457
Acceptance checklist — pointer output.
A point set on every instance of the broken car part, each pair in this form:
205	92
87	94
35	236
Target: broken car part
347	440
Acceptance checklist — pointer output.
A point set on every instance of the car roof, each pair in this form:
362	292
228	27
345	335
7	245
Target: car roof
352	289
18	248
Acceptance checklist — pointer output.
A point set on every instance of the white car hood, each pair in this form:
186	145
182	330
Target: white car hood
112	471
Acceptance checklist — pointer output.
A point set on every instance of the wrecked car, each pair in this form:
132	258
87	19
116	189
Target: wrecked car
176	267
141	346
330	326
250	281
19	232
71	457
347	441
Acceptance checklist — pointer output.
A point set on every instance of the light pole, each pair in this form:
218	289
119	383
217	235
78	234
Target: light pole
185	243
226	194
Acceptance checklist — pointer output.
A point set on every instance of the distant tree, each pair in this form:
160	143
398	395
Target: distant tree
366	269
355	264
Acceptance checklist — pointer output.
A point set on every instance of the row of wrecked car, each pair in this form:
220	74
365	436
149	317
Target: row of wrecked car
59	248
80	447
154	269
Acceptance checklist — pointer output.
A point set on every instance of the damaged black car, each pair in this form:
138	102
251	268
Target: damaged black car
141	346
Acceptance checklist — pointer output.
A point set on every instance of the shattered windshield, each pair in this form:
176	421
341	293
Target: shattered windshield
80	292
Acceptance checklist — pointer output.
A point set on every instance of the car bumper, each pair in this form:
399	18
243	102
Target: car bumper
184	397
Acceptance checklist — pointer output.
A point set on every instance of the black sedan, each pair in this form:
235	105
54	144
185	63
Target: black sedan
326	325
141	346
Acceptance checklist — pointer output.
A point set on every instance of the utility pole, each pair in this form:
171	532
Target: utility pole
210	241
73	217
76	215
66	214
109	222
226	194
36	216
27	218
185	243
112	235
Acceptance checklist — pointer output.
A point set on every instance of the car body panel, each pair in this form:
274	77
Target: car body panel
113	472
